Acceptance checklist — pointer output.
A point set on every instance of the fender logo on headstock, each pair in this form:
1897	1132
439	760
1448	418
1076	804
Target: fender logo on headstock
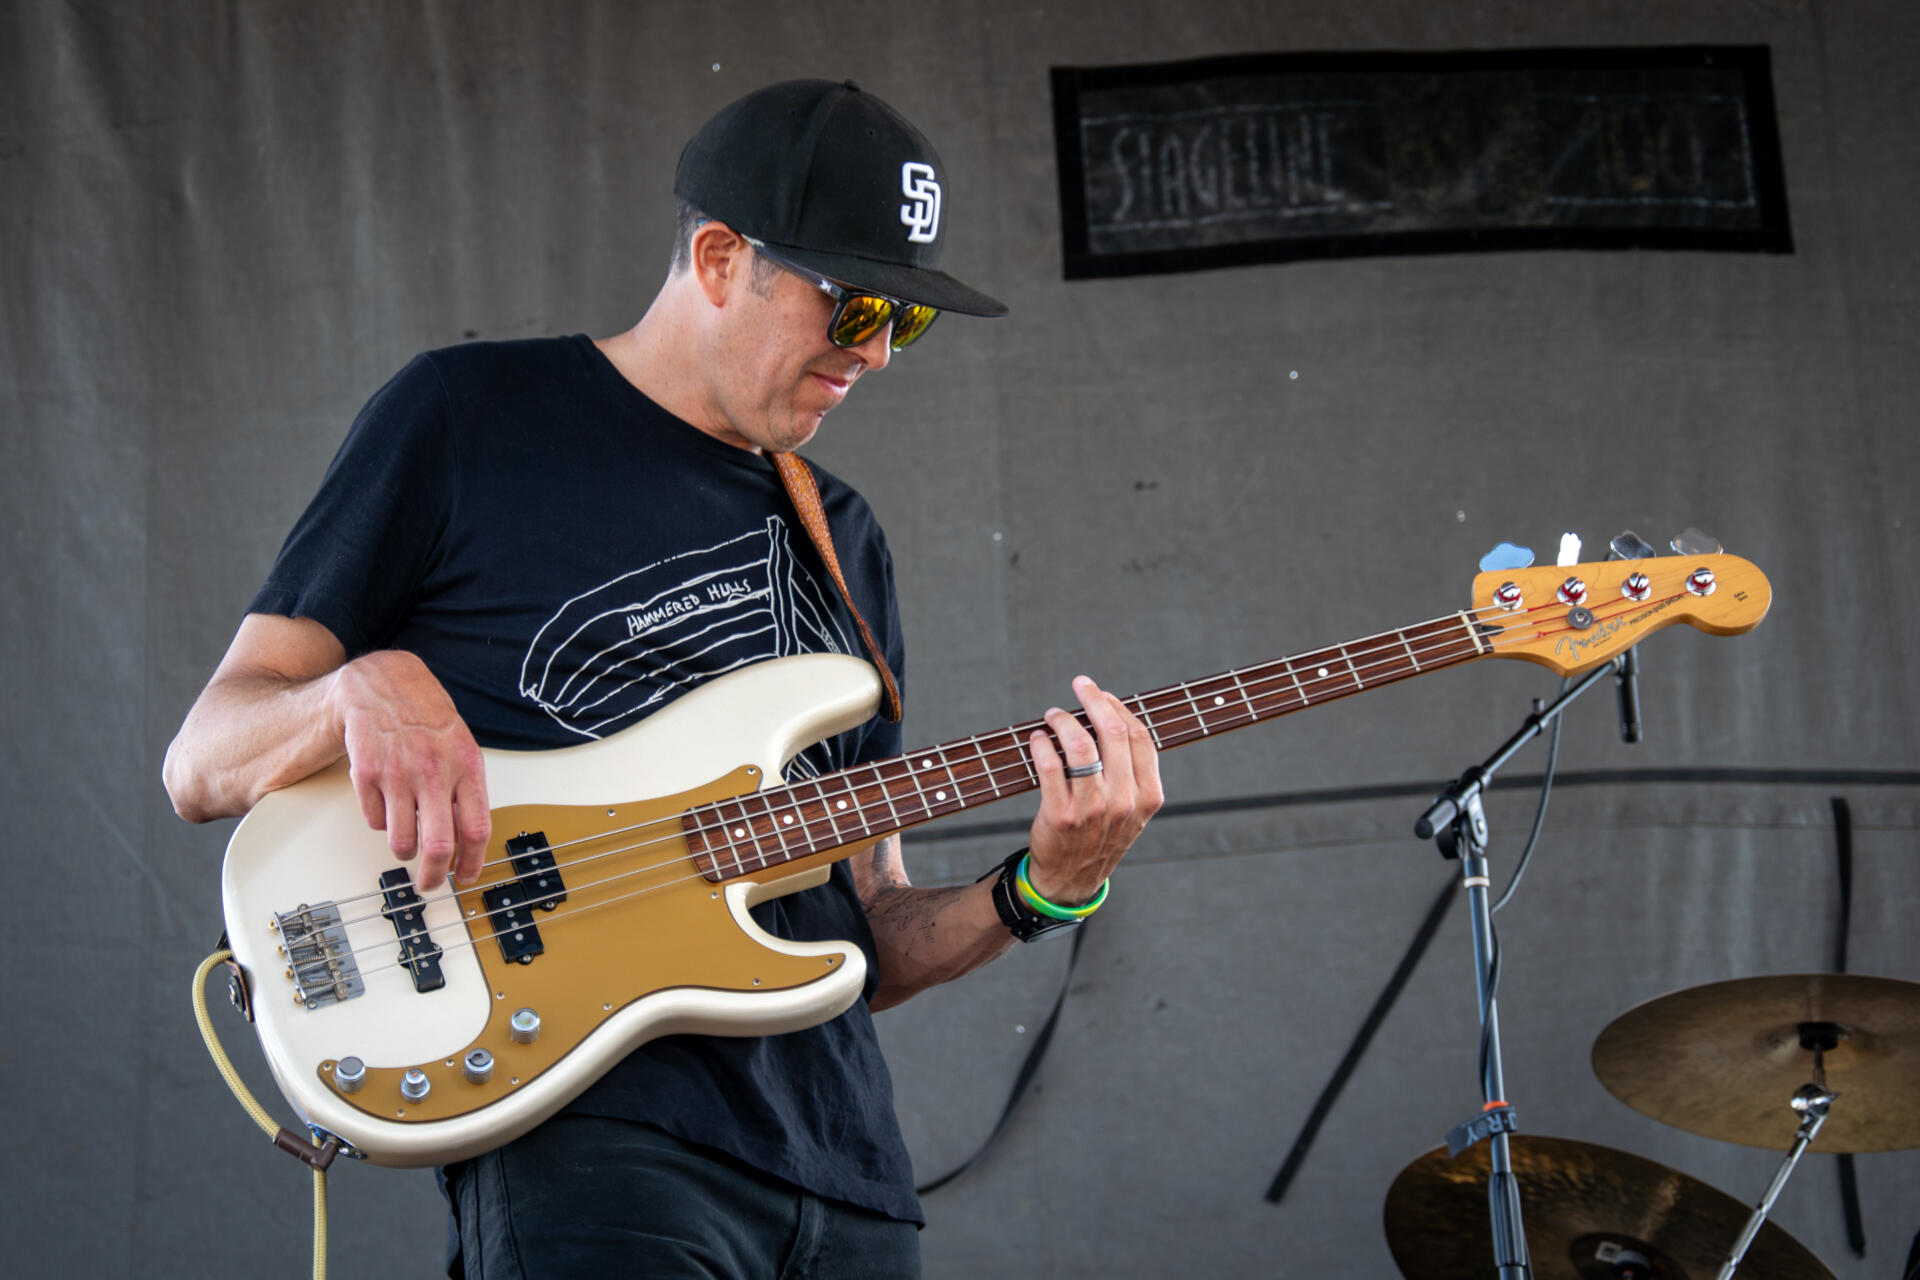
1571	647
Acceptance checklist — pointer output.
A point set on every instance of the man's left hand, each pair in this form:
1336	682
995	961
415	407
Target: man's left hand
1087	823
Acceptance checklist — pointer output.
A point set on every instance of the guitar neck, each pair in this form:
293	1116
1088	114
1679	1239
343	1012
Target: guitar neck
766	829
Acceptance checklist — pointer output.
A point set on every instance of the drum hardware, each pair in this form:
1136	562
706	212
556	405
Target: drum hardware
1716	1060
1593	1213
1811	1101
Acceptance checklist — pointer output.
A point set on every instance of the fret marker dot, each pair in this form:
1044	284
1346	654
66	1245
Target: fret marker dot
739	833
1219	702
841	805
926	764
939	795
788	819
1323	671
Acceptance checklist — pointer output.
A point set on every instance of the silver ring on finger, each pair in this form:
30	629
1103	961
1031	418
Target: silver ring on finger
1085	770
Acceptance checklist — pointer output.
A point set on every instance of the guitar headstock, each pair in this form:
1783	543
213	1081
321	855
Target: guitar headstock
1575	617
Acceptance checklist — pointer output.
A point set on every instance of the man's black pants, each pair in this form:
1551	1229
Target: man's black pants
586	1196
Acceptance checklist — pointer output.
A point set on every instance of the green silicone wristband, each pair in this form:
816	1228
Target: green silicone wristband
1045	908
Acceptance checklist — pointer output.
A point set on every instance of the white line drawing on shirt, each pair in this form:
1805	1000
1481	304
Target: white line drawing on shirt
612	655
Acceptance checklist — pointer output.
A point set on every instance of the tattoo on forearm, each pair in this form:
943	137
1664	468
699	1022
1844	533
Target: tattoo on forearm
906	922
894	907
911	915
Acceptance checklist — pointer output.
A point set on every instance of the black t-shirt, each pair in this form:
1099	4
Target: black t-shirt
566	557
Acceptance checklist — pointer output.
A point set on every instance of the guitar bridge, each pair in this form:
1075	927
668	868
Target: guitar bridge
319	958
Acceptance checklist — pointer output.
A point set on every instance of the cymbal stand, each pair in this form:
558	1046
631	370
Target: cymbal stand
1811	1102
1457	822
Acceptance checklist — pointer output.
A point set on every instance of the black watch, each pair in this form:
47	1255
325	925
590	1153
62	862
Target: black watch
1025	923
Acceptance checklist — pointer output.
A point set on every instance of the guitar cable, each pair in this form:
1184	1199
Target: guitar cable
1519	869
1540	810
258	1112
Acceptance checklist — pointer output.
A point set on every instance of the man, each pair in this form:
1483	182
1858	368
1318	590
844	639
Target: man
528	544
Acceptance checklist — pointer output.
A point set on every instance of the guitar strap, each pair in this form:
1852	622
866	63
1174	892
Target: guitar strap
797	476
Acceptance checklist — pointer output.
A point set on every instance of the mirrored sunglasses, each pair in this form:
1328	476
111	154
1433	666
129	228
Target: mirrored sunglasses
858	316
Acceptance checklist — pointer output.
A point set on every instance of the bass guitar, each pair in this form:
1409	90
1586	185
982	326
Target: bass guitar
612	907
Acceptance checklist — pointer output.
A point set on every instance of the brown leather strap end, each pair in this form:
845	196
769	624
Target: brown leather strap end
797	476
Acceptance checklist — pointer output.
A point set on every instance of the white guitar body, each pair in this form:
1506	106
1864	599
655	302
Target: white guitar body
608	978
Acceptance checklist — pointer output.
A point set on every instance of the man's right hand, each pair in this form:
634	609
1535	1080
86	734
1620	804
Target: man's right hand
415	767
285	704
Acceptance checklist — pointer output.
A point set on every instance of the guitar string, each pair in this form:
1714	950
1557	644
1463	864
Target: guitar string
1294	701
471	940
806	828
1171	697
1288	667
1177	692
1451	646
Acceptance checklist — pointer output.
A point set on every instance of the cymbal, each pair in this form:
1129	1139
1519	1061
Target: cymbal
1722	1060
1581	1206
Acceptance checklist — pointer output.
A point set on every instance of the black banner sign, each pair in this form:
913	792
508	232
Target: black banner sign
1267	157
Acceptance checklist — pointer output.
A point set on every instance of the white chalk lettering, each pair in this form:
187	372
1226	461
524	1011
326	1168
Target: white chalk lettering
639	622
1198	167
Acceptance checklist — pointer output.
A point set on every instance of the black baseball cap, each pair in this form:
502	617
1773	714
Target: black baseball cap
835	180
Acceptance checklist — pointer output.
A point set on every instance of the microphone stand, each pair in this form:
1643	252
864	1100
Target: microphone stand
1457	823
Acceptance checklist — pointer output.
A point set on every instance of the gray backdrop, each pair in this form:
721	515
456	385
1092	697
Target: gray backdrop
225	225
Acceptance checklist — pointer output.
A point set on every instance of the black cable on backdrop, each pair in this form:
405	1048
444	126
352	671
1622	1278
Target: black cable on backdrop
1843	857
1436	915
1843	853
1022	1078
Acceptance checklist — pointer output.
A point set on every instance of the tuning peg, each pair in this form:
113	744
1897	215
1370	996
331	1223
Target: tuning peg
1506	555
1629	545
1695	543
1569	549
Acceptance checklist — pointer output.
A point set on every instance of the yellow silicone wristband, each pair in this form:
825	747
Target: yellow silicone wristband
1052	909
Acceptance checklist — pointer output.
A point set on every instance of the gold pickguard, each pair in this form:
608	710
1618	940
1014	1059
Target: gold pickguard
639	918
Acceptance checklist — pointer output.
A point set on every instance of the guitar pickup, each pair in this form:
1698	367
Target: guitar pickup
533	863
511	920
418	951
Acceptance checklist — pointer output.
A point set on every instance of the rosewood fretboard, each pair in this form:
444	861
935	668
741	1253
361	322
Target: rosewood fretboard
768	828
